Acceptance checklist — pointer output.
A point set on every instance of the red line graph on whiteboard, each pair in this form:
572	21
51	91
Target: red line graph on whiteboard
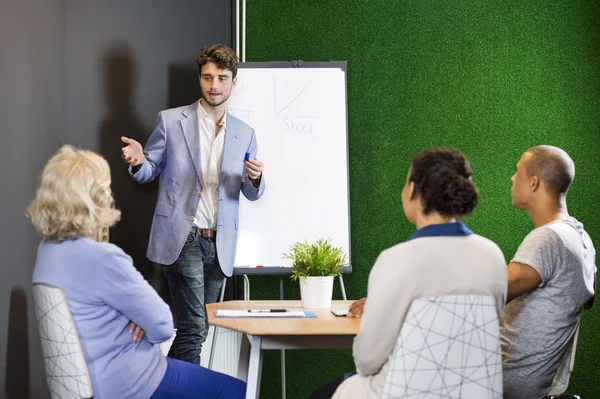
296	98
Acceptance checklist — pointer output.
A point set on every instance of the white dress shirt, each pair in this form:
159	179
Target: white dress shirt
211	156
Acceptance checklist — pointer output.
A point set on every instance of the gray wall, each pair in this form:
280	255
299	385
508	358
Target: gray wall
84	73
31	126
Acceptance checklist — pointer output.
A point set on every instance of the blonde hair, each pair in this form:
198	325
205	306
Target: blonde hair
73	197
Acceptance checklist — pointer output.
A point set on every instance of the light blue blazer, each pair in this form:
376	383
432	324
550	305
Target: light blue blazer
173	152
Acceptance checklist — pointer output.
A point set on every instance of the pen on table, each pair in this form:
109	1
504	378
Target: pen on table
267	310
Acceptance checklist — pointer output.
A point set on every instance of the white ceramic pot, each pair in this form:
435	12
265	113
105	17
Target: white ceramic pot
316	292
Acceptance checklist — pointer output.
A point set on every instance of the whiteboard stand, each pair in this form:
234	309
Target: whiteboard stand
297	109
246	296
283	388
342	288
281	296
214	337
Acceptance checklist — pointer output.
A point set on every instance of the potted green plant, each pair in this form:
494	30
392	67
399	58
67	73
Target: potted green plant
315	265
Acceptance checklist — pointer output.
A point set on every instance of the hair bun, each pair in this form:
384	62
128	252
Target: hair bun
442	178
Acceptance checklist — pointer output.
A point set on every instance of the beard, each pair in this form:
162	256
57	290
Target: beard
215	103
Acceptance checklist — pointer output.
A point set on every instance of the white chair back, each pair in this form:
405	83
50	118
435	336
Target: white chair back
66	372
448	347
561	378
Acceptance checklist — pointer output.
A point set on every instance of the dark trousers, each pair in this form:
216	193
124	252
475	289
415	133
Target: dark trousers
326	391
195	279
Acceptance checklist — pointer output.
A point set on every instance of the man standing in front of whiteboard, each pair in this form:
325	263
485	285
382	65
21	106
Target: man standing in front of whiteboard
199	151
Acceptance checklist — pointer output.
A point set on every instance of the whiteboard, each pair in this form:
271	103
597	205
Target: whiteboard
299	115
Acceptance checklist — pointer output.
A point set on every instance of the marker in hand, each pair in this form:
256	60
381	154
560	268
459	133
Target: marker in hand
252	169
246	159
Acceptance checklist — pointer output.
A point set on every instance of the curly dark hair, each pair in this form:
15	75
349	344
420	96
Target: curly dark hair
442	179
223	56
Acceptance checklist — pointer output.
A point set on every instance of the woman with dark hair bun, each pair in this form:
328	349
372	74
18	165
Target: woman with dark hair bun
443	257
441	178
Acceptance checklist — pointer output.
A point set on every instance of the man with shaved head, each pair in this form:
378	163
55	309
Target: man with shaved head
550	279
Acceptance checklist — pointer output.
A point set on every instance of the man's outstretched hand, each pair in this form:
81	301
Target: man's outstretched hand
132	153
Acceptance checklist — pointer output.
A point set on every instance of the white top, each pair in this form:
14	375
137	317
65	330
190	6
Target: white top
211	156
421	267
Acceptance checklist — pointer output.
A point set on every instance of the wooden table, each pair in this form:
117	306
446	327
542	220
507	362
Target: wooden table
324	332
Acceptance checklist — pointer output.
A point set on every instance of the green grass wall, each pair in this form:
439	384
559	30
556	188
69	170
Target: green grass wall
491	78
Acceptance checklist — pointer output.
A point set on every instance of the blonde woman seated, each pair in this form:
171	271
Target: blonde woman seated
119	317
443	257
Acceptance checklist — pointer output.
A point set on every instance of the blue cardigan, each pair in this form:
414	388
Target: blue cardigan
105	292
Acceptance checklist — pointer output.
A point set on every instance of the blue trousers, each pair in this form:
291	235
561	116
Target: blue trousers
195	279
184	380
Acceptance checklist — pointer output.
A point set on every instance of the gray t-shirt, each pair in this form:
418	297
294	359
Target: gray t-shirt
537	327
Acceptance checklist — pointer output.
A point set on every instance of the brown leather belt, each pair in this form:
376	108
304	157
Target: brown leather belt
206	233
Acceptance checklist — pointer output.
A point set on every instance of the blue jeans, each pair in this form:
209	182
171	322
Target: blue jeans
195	279
189	381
